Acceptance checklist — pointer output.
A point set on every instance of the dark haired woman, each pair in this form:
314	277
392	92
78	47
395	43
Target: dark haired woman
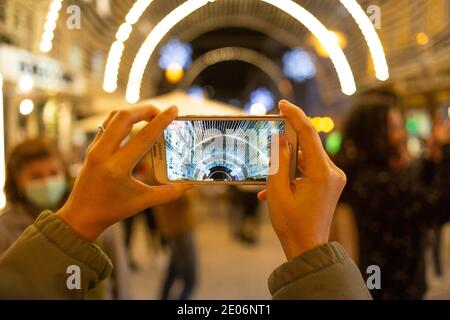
391	204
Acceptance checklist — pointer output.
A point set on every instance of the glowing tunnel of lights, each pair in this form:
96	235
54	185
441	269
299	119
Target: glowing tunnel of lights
246	55
207	162
325	37
198	149
202	170
360	17
371	37
118	46
242	21
139	7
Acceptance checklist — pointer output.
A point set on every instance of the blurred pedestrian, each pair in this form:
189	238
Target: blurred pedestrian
386	198
141	173
176	223
245	218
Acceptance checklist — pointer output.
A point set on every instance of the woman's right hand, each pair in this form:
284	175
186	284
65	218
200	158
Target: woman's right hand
105	192
302	210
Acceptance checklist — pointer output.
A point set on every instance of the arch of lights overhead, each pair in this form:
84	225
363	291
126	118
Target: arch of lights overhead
188	7
303	16
244	55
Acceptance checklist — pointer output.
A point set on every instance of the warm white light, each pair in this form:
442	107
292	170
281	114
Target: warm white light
26	107
109	87
325	38
50	26
174	73
152	40
133	97
48	36
55	6
124	32
2	149
137	10
46	46
25	84
111	73
258	109
52	16
122	35
371	36
290	7
334	36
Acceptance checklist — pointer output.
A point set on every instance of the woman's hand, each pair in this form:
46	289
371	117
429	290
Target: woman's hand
301	211
105	192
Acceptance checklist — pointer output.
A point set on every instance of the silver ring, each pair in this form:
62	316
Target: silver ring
101	128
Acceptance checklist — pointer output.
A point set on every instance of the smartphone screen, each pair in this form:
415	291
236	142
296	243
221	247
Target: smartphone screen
220	150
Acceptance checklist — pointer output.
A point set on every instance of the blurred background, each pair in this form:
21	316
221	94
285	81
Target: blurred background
65	64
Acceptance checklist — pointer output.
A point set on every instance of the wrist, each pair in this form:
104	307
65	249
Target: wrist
88	230
293	247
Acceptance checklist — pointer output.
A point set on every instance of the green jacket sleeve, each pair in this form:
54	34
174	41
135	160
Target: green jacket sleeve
324	273
44	263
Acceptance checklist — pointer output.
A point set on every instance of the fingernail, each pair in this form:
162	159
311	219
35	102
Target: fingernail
173	109
283	105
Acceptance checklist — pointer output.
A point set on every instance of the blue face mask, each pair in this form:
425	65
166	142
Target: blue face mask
46	193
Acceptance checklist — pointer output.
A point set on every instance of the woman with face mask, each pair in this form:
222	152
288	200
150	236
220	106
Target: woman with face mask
37	179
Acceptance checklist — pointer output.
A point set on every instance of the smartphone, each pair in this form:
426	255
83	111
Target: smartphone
220	150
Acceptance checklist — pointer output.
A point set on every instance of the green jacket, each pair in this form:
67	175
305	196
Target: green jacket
36	267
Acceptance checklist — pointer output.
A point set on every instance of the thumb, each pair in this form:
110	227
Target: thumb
279	177
157	195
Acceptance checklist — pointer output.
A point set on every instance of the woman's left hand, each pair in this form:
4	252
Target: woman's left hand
105	192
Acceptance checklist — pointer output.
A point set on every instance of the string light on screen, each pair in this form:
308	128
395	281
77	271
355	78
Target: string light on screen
298	65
